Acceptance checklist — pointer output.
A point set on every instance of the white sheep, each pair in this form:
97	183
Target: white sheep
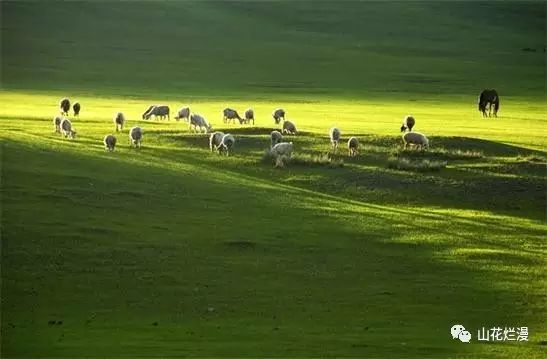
199	123
278	114
109	142
289	128
66	128
184	113
57	123
226	144
119	120
334	135
135	136
275	137
353	146
215	140
282	152
408	123
249	116
417	139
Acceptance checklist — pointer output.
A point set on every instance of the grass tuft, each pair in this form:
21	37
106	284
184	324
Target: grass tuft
322	159
531	158
438	153
307	160
419	165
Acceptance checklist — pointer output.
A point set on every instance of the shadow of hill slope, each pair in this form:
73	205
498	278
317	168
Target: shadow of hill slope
476	177
115	242
489	148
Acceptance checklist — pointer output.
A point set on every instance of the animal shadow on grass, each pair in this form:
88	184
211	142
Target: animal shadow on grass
194	140
243	144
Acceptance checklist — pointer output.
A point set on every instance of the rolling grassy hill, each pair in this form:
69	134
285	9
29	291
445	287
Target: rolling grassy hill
171	250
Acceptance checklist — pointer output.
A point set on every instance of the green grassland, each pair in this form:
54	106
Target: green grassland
172	250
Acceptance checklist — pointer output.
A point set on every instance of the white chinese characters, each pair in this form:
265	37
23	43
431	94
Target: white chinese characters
497	334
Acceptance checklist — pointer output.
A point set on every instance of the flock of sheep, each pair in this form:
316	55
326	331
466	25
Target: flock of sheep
224	142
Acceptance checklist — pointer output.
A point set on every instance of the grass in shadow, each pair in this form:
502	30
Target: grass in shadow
306	160
418	165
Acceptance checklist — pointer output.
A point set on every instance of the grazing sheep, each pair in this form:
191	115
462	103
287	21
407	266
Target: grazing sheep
57	123
147	111
353	146
198	122
282	152
66	128
249	116
76	108
226	144
160	111
289	128
334	135
215	140
119	121
275	137
64	105
135	137
109	142
408	123
278	114
417	139
183	113
231	114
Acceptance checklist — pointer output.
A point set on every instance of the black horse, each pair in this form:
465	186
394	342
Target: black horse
489	98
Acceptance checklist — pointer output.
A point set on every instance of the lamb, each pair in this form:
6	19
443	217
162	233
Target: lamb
119	121
334	135
183	113
249	116
64	105
226	144
289	128
278	114
275	137
109	142
57	123
353	146
408	123
231	114
198	122
215	140
66	128
415	138
282	152
160	111
76	107
135	137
